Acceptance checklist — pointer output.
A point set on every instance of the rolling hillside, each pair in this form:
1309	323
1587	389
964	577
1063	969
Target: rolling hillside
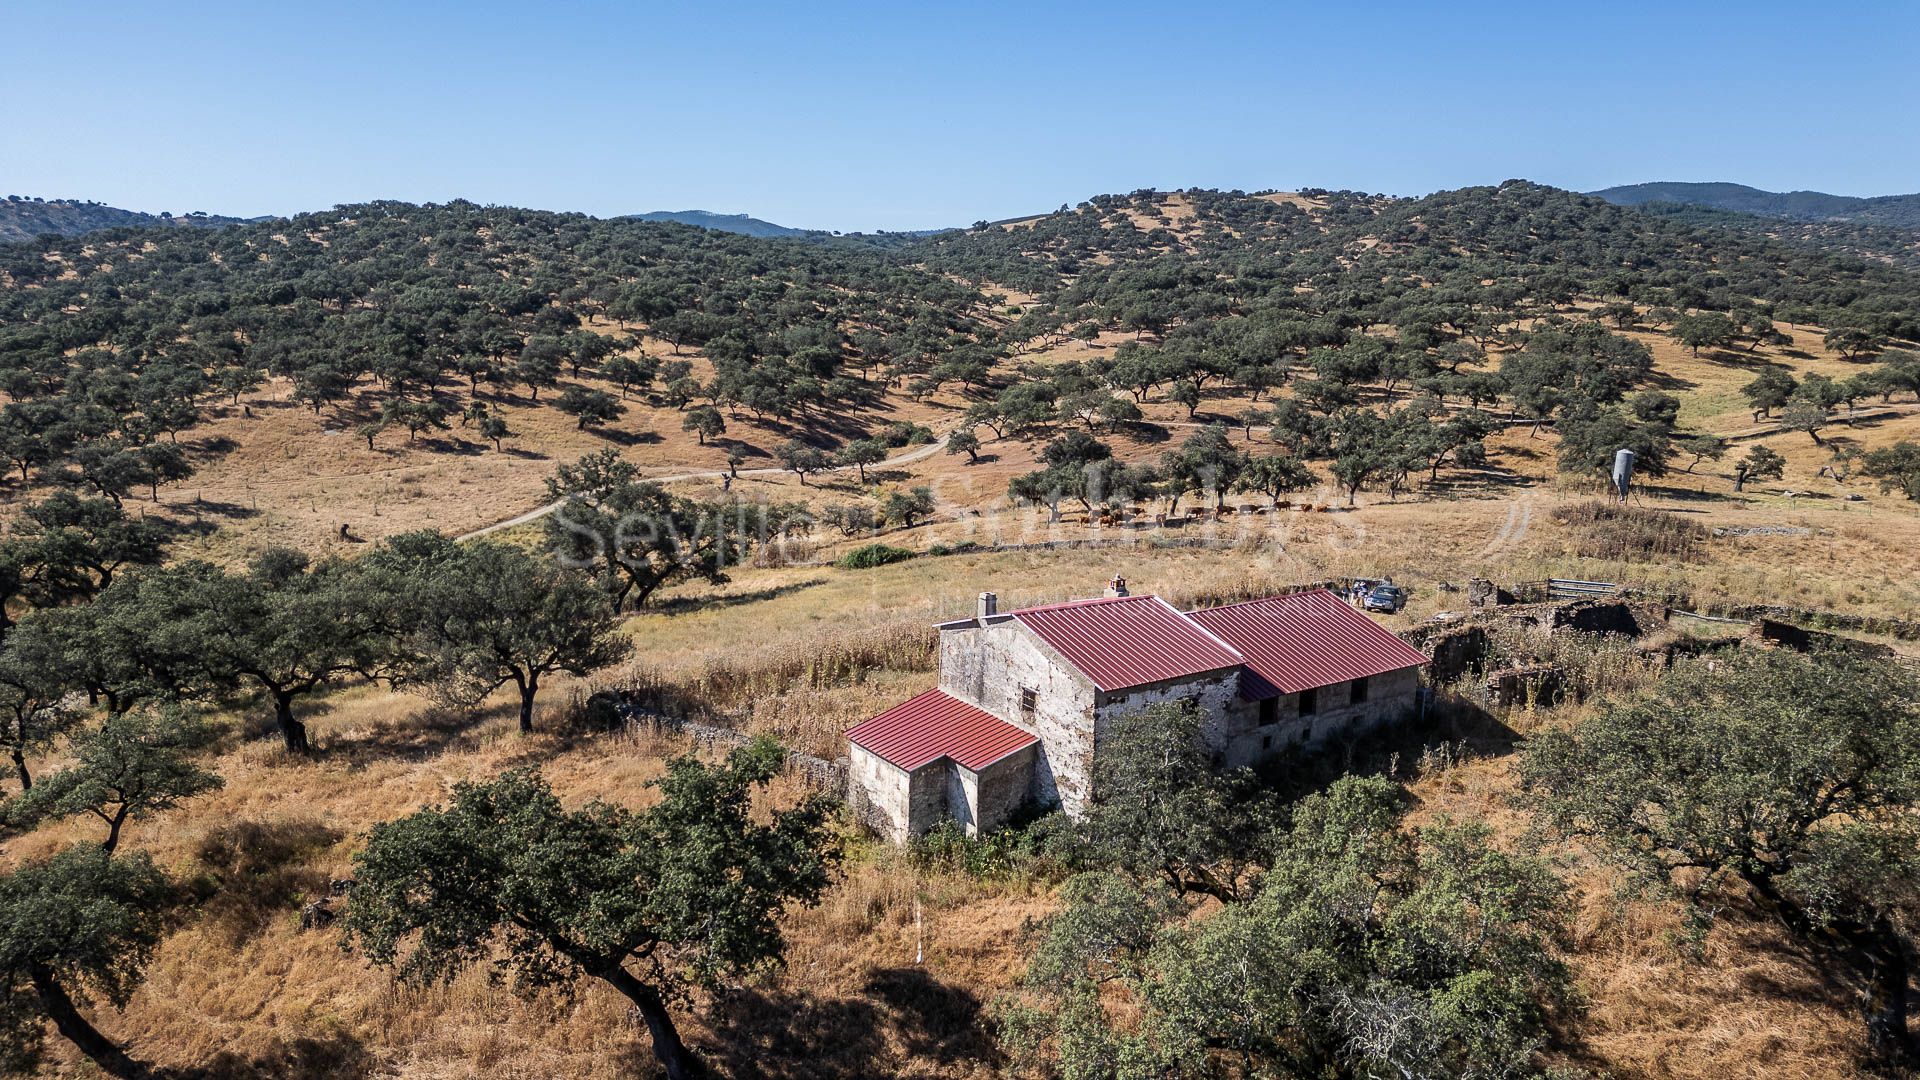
1901	211
733	223
332	381
24	219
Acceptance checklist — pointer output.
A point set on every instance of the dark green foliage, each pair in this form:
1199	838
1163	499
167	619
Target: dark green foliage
67	547
908	507
1590	435
705	422
1897	467
415	416
590	408
1796	776
34	707
471	618
636	536
1080	467
868	556
861	453
284	628
683	895
1759	463
1897	210
79	927
133	765
1365	949
1043	847
1164	813
495	427
1207	462
1703	448
630	372
1367	447
1707	329
104	362
1274	475
802	459
906	433
1769	390
964	442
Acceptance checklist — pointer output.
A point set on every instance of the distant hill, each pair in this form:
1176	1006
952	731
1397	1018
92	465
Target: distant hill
23	218
733	223
1902	211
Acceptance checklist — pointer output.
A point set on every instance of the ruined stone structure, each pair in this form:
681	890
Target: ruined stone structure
1024	697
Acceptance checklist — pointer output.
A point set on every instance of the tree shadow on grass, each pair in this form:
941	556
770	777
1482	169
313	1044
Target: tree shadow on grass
218	508
415	737
803	1036
250	873
1746	361
799	1036
626	438
338	1056
936	1021
1684	494
1661	380
746	448
211	445
1147	432
682	604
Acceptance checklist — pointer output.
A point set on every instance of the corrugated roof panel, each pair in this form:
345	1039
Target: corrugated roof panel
1292	643
1126	641
934	724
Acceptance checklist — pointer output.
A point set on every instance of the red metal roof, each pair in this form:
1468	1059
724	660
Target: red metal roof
1125	641
1292	643
935	724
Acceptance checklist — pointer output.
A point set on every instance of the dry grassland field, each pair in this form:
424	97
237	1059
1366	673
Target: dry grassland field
292	478
896	971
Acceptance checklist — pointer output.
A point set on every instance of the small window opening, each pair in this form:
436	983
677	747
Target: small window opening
1309	702
1029	699
1359	690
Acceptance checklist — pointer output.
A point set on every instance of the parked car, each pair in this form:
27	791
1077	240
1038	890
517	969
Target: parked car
1387	599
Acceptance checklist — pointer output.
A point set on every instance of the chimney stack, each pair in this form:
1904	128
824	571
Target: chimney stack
989	606
1117	587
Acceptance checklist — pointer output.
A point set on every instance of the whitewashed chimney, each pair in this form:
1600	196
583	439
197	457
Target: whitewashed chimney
1117	587
989	606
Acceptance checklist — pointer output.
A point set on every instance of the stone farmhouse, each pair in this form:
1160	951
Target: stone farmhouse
1024	696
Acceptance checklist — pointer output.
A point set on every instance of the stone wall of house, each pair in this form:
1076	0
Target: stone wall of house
1003	787
929	796
878	793
900	805
962	786
1215	692
1390	696
991	665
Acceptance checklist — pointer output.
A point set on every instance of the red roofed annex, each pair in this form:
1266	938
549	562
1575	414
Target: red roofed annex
1024	695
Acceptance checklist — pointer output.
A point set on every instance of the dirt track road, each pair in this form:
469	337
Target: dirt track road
539	512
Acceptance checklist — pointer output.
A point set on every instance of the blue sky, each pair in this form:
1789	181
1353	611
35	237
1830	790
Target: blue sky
915	115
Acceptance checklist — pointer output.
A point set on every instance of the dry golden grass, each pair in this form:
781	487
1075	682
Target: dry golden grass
887	976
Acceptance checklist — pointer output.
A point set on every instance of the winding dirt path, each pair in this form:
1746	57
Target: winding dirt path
537	513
